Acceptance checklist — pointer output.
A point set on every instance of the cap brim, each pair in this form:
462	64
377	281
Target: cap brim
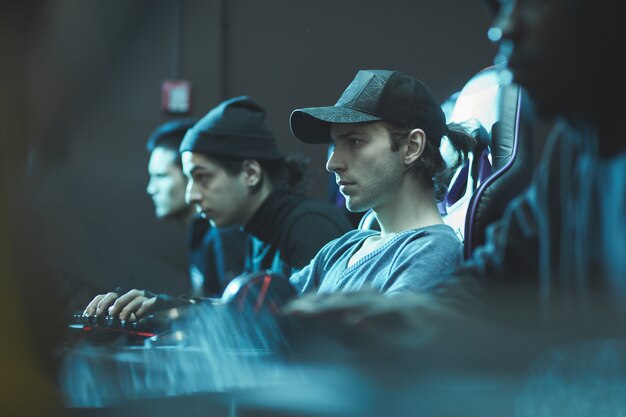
312	125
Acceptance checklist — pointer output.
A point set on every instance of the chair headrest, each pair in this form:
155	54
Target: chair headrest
478	101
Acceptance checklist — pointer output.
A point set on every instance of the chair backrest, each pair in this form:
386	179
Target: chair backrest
476	106
512	166
500	167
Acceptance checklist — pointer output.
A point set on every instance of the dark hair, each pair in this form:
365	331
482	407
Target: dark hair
286	174
431	168
169	136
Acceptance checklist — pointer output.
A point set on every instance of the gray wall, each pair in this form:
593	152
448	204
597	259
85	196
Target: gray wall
110	57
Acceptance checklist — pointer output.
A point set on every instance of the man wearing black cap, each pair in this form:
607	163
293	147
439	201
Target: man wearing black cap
216	255
387	129
238	177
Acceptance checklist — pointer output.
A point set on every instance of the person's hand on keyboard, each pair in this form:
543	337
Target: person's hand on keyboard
130	306
99	306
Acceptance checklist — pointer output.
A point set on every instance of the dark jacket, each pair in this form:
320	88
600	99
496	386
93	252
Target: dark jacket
216	256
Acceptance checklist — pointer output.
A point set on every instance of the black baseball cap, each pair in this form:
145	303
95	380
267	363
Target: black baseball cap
374	95
236	128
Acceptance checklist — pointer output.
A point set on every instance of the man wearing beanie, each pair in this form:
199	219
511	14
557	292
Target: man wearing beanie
216	255
238	177
387	129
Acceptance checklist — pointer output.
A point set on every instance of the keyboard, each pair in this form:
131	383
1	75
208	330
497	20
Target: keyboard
255	294
107	328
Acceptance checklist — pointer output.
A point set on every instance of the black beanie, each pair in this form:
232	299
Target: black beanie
236	128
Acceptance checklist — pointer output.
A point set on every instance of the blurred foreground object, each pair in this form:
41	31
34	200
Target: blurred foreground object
28	386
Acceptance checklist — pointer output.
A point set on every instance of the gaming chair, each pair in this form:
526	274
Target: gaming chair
511	165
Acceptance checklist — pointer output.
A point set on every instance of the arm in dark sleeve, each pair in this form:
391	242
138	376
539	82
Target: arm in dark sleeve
508	258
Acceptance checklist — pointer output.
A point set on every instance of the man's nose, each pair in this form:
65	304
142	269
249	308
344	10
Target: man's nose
150	188
335	162
194	194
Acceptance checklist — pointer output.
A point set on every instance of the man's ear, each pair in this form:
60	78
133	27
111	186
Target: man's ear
252	172
415	146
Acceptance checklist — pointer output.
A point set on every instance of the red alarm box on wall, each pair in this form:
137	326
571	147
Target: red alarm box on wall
176	96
